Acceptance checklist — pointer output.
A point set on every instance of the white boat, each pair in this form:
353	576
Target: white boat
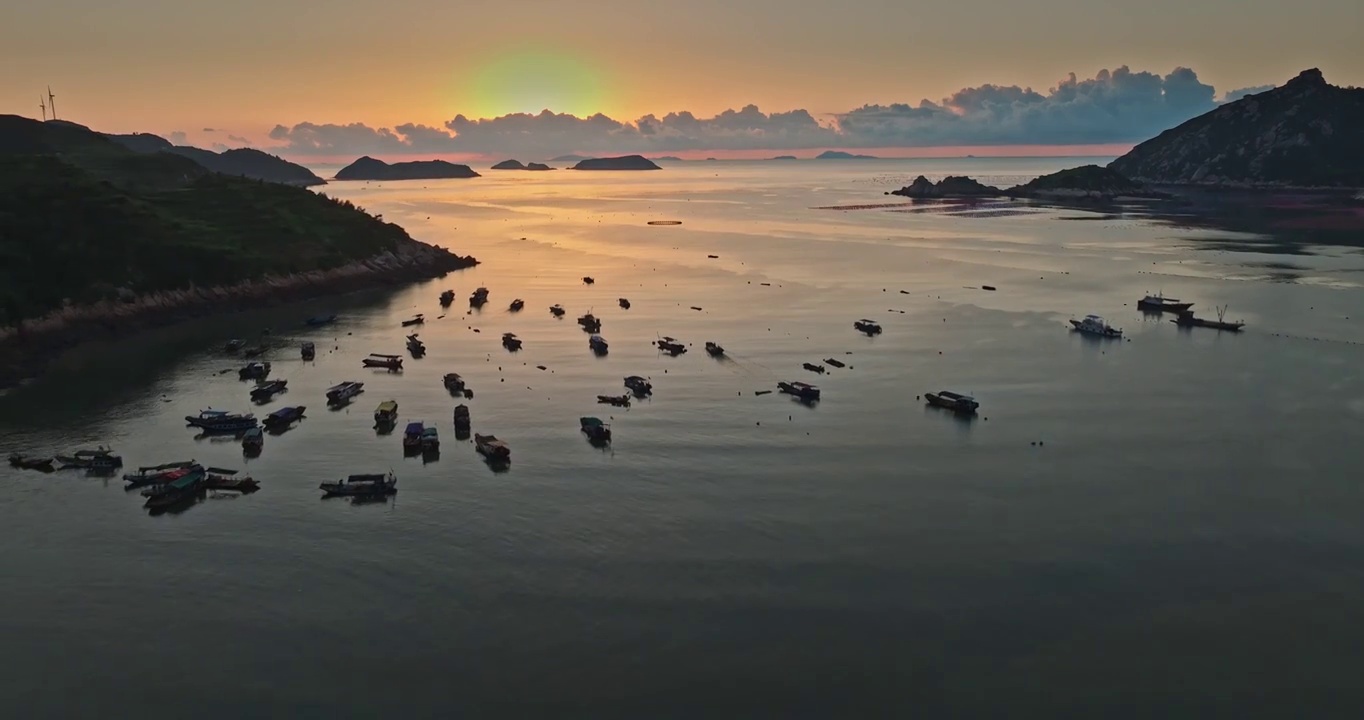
1095	325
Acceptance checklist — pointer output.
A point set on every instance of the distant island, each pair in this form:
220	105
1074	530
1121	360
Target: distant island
516	165
626	162
1305	134
668	158
368	168
786	157
570	158
145	238
840	155
949	187
1089	182
242	162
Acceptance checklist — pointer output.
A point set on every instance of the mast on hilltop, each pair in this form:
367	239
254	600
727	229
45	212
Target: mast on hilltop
52	102
42	105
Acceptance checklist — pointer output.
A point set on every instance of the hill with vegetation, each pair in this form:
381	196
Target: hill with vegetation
625	162
243	162
1090	182
368	168
83	219
1303	134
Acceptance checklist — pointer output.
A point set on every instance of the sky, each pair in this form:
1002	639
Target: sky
433	77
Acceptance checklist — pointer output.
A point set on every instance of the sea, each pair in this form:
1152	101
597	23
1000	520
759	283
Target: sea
1163	525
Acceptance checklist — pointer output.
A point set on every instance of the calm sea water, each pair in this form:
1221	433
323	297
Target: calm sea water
1167	525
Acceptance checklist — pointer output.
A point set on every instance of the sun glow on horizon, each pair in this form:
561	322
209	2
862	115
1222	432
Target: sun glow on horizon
529	81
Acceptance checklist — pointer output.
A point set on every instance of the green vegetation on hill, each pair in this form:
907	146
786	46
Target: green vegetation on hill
84	219
245	162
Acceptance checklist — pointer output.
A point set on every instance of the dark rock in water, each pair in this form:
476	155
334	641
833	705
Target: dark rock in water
1087	182
625	162
367	168
952	186
1303	134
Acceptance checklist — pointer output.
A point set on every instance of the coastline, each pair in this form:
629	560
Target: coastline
25	352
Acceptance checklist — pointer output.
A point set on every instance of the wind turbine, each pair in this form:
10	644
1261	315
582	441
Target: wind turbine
42	105
52	102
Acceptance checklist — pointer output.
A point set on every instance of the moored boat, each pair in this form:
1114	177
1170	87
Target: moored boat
670	346
1095	325
224	479
253	440
557	310
1160	303
284	417
1187	319
412	437
357	485
461	419
804	391
870	327
617	400
624	303
343	392
101	458
490	447
415	345
479	297
156	474
596	430
454	383
215	421
640	386
598	344
714	350
26	462
386	413
590	323
587	280
447	297
417	319
511	342
308	351
267	390
430	439
179	491
813	368
835	363
392	363
516	305
255	370
956	402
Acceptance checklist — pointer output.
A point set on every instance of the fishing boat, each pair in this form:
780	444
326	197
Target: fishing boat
596	430
624	303
804	391
412	437
638	385
590	323
588	280
224	479
234	345
814	368
714	350
956	402
670	346
617	400
386	413
308	351
284	417
254	371
320	320
101	458
25	462
417	319
516	305
1160	303
493	449
338	394
156	474
447	298
181	490
267	390
430	439
1187	319
598	344
557	310
511	342
870	327
392	363
359	485
454	383
1095	325
216	421
479	297
253	440
835	363
462	420
415	345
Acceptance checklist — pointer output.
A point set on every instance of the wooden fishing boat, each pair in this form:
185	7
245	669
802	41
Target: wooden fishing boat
596	430
356	485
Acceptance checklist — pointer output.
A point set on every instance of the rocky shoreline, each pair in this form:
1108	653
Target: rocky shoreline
25	351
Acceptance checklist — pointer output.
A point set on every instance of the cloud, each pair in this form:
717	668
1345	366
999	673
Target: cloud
1234	95
238	140
178	138
1117	106
209	130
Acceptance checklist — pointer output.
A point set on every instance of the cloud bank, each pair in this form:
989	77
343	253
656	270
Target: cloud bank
1117	106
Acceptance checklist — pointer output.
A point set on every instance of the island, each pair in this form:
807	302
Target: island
952	186
668	158
139	239
516	165
1304	134
570	158
625	162
786	157
368	168
840	155
242	162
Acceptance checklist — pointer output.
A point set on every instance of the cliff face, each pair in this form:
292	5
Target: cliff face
626	162
368	168
1304	134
